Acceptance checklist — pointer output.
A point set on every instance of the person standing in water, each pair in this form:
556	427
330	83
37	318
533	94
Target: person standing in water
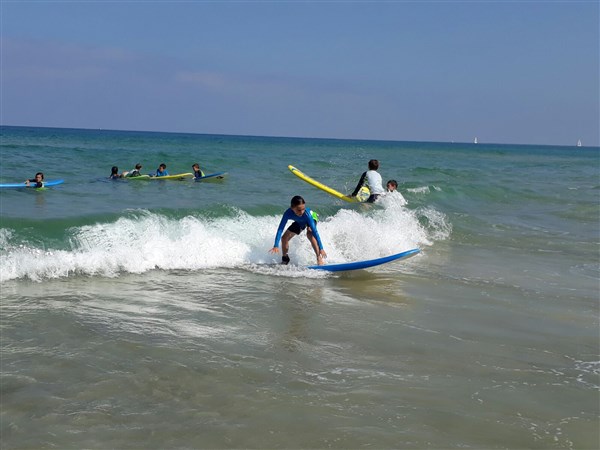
372	180
303	218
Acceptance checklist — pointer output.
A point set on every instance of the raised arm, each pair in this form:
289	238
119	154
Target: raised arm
360	184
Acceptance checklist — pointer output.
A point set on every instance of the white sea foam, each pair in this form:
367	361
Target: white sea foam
420	190
151	241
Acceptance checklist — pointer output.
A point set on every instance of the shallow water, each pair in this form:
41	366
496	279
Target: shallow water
151	315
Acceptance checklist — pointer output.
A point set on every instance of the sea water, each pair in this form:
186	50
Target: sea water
150	314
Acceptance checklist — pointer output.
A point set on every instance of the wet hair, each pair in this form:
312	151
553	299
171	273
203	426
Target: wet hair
40	174
393	183
297	200
138	166
373	164
162	166
114	170
196	165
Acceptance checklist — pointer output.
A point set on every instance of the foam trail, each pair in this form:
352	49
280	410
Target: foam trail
151	241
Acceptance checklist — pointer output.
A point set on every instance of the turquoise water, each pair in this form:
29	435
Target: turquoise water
142	314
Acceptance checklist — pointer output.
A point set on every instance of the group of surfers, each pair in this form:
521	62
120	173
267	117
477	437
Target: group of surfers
160	172
302	217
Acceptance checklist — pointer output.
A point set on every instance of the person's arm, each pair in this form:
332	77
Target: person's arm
282	223
360	184
313	227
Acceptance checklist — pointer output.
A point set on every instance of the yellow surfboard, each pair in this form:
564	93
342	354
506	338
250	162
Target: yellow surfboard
362	195
178	176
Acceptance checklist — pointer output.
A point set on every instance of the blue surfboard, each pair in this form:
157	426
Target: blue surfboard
212	177
32	185
342	267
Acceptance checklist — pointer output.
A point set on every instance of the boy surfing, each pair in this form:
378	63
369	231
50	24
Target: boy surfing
303	218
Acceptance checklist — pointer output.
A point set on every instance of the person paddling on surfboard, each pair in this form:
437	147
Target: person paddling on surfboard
162	170
372	180
135	172
38	181
303	218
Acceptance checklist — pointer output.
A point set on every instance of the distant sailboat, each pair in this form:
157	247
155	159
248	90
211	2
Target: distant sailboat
579	143
475	140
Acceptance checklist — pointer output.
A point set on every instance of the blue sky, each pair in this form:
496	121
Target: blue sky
504	71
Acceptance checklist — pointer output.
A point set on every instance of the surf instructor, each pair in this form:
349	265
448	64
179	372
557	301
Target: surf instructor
303	218
372	179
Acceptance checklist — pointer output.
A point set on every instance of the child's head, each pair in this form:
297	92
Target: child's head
114	170
39	176
196	166
138	166
298	205
163	166
297	200
392	185
373	164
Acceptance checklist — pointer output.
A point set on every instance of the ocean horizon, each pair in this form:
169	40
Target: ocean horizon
300	137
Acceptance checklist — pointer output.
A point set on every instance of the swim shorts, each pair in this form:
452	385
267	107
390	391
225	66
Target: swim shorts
297	229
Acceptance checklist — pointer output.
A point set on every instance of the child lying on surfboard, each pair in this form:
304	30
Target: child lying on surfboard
303	218
162	171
